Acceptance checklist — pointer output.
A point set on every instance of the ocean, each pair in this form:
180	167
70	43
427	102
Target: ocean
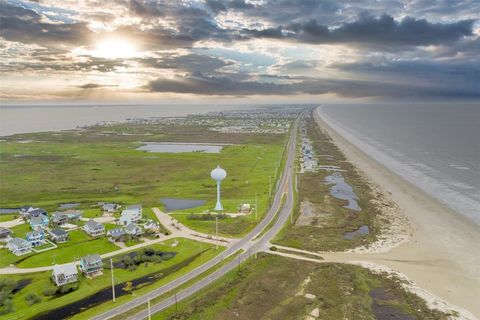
37	118
434	146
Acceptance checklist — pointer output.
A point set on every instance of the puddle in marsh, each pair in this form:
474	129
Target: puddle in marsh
179	147
172	204
342	190
65	206
383	311
363	230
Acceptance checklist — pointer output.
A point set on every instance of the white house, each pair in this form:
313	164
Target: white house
19	246
64	274
131	214
94	228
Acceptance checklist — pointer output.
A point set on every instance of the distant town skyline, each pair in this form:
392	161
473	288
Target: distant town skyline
239	50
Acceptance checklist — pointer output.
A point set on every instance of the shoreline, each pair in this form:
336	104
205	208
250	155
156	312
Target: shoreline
442	256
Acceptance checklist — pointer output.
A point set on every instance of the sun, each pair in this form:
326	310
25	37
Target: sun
114	48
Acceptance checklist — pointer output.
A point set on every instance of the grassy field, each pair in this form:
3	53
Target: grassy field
334	220
273	287
188	257
88	166
7	217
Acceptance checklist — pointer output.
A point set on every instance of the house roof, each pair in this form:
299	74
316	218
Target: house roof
34	233
36	220
37	211
58	232
112	206
131	227
67	269
117	232
92	224
5	230
57	215
18	242
92	259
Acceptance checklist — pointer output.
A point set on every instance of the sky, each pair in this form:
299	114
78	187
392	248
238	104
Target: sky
239	50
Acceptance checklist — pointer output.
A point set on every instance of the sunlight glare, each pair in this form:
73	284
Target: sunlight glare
115	48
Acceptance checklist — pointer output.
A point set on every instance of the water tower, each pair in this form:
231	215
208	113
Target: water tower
218	174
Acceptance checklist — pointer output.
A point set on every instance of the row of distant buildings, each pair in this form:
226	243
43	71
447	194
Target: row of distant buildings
45	227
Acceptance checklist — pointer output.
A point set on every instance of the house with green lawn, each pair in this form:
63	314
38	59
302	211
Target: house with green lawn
58	235
91	265
39	223
64	274
19	246
94	228
36	238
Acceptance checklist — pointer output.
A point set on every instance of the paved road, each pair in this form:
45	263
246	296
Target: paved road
247	244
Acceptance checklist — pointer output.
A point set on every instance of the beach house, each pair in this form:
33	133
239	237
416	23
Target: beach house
39	223
116	234
94	228
31	212
91	265
131	214
64	274
110	208
19	246
152	226
58	235
5	233
73	215
59	219
133	230
36	238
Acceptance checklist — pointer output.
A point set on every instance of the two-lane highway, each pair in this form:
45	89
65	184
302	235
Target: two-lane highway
284	186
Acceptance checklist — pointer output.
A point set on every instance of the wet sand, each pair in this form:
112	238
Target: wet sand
443	253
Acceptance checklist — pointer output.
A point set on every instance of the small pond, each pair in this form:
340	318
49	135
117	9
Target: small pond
169	147
363	230
65	206
342	190
172	204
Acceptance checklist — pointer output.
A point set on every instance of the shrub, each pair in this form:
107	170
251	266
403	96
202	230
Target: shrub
273	248
49	291
32	298
7	306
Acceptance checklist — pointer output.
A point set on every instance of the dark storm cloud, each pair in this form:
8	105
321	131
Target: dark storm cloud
381	31
95	86
464	73
220	85
25	25
189	62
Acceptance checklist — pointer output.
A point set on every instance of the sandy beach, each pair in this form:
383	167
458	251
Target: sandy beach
442	255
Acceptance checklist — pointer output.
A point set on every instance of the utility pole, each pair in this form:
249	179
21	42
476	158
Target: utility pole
113	280
256	205
216	232
270	186
176	301
149	311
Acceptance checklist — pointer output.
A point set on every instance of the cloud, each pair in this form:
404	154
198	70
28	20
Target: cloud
189	62
224	86
94	85
383	31
25	25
